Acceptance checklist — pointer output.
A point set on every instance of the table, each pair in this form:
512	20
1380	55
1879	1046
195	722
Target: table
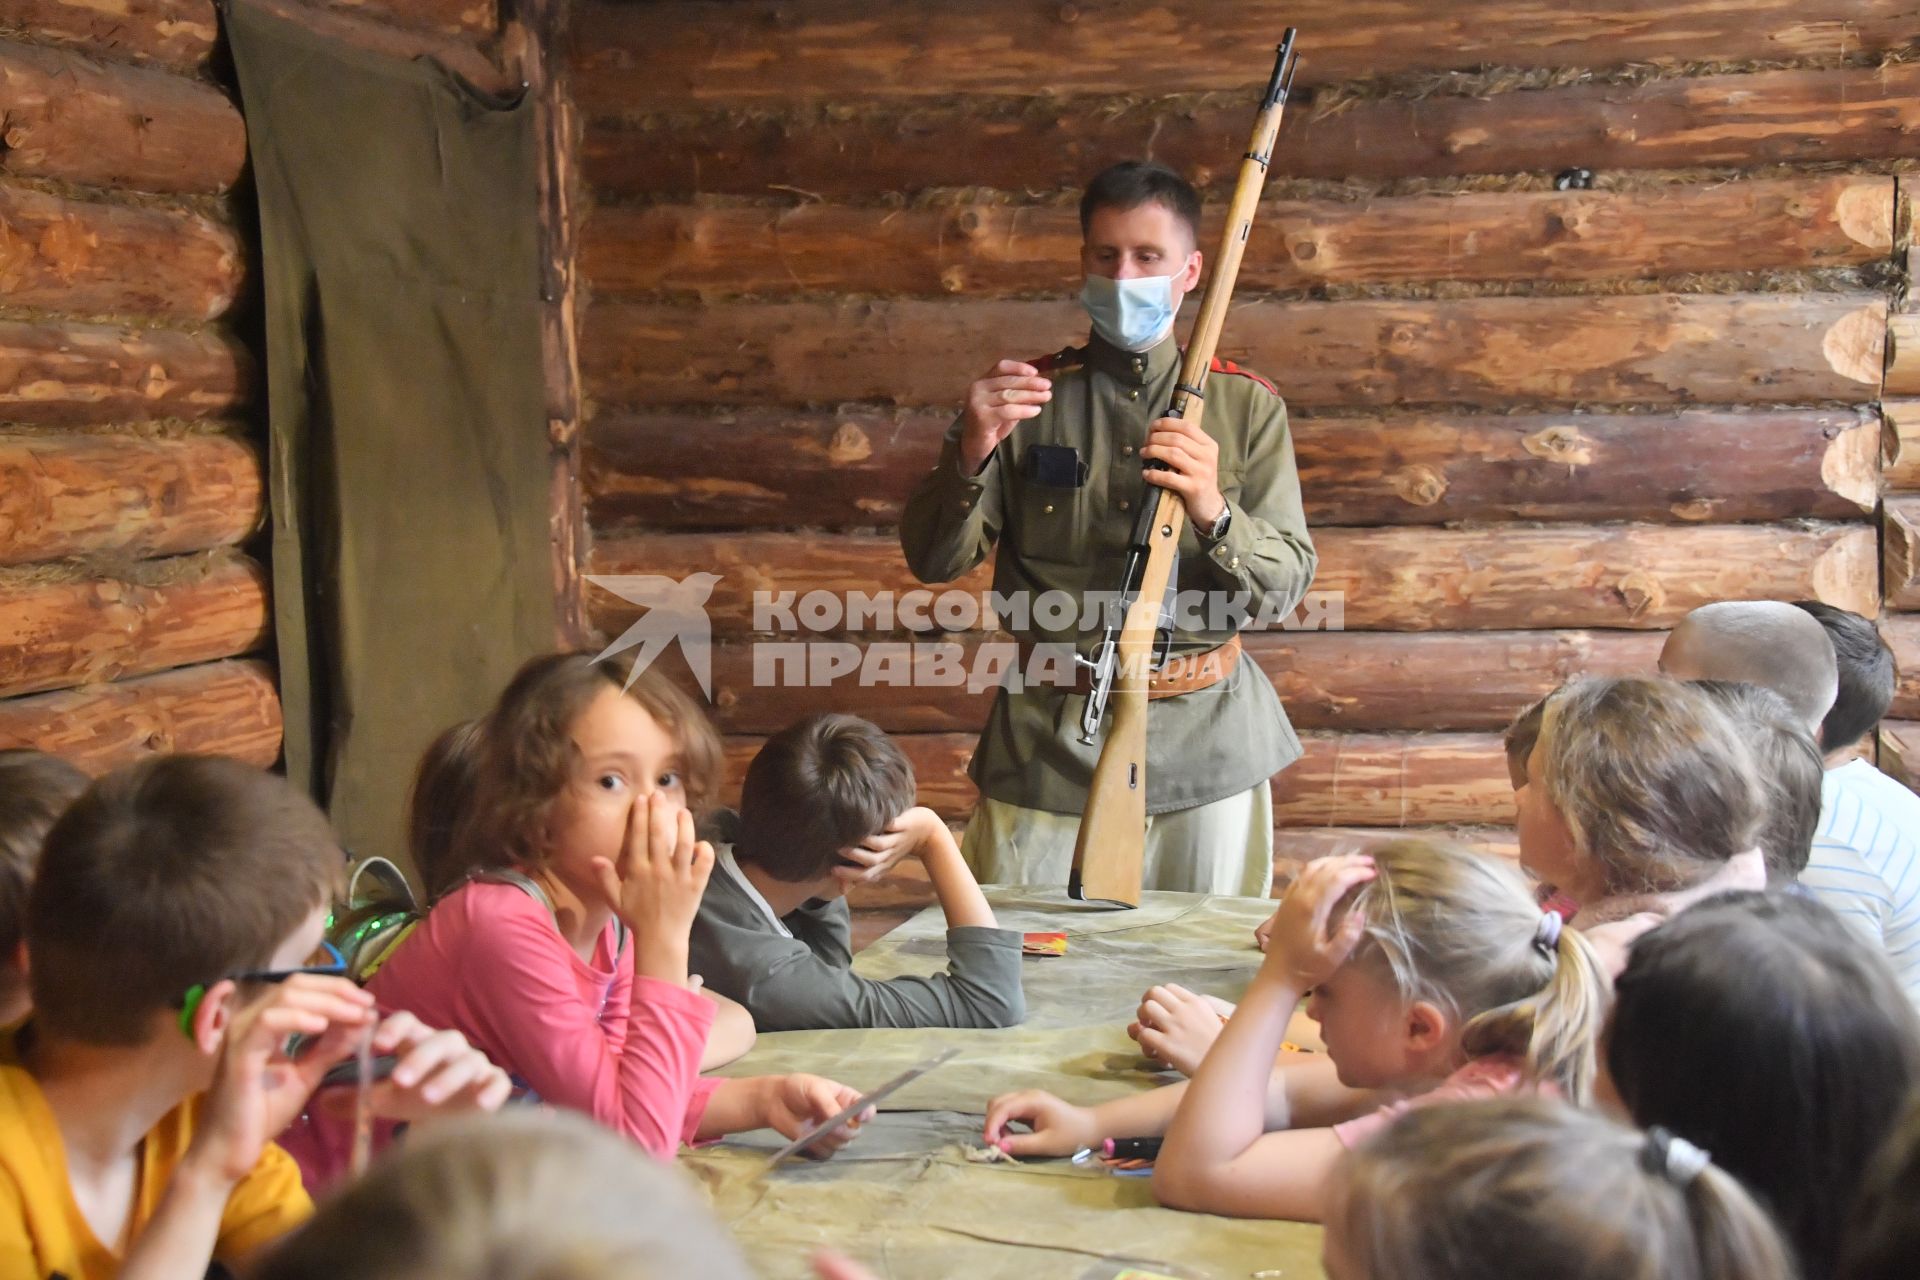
904	1200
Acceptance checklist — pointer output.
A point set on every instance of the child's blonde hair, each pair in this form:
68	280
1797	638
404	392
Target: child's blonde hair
1532	1187
532	1195
1462	931
1653	780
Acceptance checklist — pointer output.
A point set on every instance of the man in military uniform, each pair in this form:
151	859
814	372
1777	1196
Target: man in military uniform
1045	461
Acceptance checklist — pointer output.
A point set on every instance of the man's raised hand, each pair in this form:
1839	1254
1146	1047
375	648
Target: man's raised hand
997	401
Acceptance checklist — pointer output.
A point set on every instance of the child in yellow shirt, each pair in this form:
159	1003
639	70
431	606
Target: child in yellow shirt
175	939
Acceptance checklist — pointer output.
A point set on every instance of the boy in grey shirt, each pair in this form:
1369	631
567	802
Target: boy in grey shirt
826	802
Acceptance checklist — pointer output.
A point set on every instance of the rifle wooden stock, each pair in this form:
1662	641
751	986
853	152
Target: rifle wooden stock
1110	849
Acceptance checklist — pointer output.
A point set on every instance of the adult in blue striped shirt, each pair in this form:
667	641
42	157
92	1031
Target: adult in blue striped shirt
1835	672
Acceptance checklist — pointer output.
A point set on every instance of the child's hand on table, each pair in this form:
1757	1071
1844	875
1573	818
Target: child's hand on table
793	1104
1058	1128
1177	1026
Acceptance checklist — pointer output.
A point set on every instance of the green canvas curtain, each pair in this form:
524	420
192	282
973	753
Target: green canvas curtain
408	461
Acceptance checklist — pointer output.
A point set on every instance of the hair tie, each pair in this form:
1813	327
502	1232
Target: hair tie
1673	1157
1546	935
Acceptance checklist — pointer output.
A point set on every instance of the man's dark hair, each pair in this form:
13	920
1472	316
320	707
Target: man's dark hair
818	787
1866	674
1132	183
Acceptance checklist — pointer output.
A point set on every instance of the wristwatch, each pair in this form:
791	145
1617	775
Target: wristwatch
1219	529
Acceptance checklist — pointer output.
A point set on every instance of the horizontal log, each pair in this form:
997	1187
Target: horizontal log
986	248
219	708
1293	846
127	496
1635	577
1902	635
1601	349
1900	551
854	468
1900	445
181	34
66	117
939	763
1354	680
1027	144
1350	779
75	374
444	31
904	890
1394	780
65	629
171	33
88	258
1899	744
629	58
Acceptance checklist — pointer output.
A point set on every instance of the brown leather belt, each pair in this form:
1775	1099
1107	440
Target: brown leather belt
1183	673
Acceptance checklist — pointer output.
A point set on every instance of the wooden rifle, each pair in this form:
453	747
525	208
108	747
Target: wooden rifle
1111	845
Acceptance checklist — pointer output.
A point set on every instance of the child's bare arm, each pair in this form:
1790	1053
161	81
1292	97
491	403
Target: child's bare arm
732	1035
1218	1156
1281	1175
953	883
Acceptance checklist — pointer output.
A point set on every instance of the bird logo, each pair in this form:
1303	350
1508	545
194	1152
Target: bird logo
673	610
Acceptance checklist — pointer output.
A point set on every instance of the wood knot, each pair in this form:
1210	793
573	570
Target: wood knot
1694	509
1640	591
954	278
1068	13
1560	444
1419	485
849	444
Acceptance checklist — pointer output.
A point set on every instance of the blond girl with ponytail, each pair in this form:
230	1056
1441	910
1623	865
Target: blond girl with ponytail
1531	1189
1433	976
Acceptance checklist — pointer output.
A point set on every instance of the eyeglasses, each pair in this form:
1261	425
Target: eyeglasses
325	962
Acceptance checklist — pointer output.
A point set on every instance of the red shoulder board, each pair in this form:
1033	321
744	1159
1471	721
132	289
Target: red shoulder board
1065	358
1228	366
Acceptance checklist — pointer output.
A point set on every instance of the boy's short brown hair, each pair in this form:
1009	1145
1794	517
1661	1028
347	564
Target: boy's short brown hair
816	788
35	789
165	874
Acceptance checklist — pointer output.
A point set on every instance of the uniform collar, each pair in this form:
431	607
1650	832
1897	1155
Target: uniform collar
1134	368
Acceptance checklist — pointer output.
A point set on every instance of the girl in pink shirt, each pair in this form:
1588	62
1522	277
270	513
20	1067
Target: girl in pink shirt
1433	976
570	884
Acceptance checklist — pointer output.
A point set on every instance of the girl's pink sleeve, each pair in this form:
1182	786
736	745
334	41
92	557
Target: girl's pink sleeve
519	987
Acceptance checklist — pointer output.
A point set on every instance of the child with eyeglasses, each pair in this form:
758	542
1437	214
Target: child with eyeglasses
185	1010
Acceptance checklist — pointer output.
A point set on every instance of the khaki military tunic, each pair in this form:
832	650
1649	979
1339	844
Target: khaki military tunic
1202	746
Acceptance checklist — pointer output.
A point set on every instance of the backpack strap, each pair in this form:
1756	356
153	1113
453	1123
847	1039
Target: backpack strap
531	887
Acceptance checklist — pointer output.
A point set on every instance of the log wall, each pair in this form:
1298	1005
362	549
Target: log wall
135	614
1534	426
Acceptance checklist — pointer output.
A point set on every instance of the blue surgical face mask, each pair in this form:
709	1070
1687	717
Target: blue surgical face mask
1132	314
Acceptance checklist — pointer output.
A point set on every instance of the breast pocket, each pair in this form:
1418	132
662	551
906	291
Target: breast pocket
1050	524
